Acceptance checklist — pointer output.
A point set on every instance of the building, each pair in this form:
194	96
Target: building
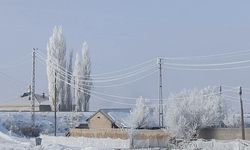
24	102
113	124
41	101
109	118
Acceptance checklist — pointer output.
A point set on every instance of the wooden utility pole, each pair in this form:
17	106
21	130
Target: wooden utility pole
55	105
242	115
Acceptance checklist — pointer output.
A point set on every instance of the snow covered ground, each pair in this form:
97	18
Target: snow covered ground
216	145
71	143
59	143
44	120
9	140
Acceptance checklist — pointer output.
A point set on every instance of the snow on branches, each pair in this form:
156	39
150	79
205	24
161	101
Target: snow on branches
139	117
56	51
82	79
194	109
58	65
78	71
87	83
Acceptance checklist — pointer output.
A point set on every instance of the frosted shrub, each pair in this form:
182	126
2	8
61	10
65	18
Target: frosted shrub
21	128
194	109
232	119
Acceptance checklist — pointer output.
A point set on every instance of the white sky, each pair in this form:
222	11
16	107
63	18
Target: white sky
122	34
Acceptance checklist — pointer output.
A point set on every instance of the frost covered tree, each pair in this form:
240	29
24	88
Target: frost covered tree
78	92
56	51
191	110
232	119
139	116
87	82
68	92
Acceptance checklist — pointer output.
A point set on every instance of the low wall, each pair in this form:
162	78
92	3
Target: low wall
138	138
119	133
223	133
99	133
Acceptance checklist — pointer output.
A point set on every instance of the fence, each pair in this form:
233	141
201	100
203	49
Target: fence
138	138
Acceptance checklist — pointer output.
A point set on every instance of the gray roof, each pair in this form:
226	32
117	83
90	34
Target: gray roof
40	98
117	116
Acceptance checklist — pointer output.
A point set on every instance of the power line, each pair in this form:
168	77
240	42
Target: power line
208	69
64	72
121	83
91	94
229	54
13	79
112	72
100	93
124	76
207	64
84	91
18	63
150	68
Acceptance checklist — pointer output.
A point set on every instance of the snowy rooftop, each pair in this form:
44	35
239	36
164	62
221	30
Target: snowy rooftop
23	102
121	117
117	116
40	98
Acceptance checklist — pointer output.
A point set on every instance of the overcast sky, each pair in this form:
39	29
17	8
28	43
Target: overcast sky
122	34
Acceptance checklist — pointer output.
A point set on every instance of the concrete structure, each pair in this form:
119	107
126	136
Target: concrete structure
109	118
223	133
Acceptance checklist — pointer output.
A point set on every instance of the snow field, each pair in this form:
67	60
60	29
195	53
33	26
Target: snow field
81	142
217	145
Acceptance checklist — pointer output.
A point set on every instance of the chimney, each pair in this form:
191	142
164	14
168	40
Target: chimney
43	95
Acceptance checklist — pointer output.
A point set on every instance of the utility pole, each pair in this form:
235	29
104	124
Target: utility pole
33	86
220	90
55	105
160	94
242	115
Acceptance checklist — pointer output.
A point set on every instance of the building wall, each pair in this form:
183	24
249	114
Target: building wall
223	133
99	121
139	139
18	108
44	108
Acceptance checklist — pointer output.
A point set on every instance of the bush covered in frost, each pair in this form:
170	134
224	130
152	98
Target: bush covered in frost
21	128
191	110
